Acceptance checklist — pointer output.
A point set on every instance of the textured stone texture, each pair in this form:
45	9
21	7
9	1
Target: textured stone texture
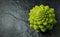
14	15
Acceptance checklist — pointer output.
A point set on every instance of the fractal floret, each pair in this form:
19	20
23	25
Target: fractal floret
42	18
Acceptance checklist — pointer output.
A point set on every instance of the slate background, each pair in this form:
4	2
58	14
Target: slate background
14	15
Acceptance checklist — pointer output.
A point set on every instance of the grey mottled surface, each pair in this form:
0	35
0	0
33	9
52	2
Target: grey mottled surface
14	15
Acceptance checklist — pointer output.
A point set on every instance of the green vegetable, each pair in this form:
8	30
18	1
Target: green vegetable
42	18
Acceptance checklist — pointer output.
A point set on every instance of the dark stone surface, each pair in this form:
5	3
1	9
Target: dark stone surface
14	15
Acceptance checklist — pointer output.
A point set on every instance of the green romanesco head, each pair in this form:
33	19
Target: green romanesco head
42	18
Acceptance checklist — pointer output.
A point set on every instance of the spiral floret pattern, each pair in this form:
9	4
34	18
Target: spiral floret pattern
42	18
